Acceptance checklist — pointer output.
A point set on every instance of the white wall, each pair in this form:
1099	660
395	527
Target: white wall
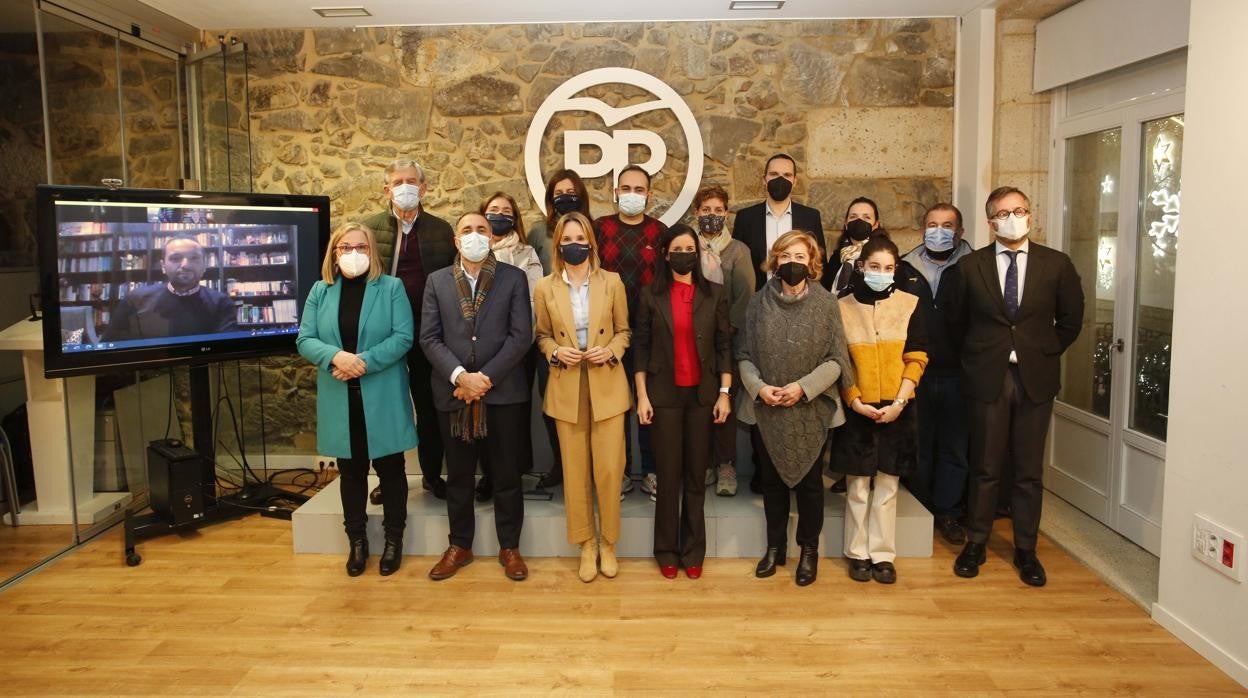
973	118
1078	42
1206	466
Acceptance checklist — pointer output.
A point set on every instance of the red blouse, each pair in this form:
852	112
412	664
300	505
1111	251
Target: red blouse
688	368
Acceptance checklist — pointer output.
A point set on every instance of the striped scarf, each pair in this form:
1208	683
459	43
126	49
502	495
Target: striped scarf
468	424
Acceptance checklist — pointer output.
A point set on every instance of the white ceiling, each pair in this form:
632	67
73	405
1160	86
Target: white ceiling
276	14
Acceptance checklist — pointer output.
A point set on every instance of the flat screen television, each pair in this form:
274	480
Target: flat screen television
140	277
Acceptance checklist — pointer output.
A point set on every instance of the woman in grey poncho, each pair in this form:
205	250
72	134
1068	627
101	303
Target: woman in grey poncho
794	362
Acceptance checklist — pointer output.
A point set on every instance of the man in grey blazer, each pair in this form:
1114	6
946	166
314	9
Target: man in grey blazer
476	328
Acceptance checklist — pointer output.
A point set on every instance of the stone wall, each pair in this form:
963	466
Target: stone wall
865	106
21	147
1022	120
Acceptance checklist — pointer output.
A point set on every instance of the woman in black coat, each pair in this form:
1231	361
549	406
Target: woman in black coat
683	341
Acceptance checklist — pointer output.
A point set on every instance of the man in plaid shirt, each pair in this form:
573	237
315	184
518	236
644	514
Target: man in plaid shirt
628	244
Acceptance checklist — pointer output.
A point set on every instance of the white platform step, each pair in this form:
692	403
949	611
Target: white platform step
734	525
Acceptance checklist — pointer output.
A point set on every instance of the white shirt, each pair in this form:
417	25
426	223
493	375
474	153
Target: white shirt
1003	265
777	225
472	285
580	310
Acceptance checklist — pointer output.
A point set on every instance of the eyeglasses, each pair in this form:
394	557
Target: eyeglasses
1018	213
345	248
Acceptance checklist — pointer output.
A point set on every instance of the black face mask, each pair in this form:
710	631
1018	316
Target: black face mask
858	230
499	224
779	189
682	262
793	273
574	253
566	203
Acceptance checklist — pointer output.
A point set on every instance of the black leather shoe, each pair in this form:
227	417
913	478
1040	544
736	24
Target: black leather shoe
437	487
1029	568
884	572
969	560
859	570
391	557
485	489
357	558
374	497
807	565
552	479
767	565
838	487
950	530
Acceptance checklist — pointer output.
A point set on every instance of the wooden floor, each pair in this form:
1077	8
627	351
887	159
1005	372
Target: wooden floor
231	611
23	547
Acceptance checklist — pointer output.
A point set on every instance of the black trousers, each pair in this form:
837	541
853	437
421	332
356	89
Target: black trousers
1011	426
543	377
524	443
682	453
353	479
501	447
809	491
420	379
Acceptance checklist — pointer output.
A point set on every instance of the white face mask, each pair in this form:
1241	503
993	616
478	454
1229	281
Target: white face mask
405	196
632	204
353	264
474	246
1014	228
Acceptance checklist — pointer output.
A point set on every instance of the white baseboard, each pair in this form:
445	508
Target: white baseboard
1205	647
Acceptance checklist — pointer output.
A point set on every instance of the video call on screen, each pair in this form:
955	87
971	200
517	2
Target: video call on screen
140	275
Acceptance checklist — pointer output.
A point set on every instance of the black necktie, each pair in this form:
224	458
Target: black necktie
1011	284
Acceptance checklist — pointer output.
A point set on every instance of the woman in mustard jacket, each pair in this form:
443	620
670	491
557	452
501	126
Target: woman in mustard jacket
357	328
582	331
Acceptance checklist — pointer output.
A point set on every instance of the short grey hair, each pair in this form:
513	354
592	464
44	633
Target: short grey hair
403	164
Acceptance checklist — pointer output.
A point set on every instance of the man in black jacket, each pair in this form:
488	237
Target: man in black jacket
412	244
939	482
759	225
1015	306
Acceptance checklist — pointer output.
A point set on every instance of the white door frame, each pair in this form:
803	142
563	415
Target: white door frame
1109	506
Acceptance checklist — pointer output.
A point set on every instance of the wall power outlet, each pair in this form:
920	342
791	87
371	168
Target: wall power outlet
1218	547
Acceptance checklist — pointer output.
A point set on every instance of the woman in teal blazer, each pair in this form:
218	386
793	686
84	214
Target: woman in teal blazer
357	329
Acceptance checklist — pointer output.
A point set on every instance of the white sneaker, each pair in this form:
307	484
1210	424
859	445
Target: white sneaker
710	477
625	487
650	485
727	485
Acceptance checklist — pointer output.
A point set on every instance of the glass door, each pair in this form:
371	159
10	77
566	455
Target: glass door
1120	188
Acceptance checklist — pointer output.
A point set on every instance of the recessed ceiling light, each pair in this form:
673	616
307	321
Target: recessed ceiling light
335	12
755	4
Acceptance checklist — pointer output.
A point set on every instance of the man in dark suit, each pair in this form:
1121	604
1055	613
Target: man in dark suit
759	225
412	244
1015	306
476	328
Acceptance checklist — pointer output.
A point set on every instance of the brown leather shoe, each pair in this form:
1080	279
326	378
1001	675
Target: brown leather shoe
513	564
454	558
374	497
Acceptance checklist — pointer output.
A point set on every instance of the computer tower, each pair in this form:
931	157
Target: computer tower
175	476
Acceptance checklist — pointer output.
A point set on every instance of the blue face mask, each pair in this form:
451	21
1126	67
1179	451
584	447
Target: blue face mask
877	280
938	239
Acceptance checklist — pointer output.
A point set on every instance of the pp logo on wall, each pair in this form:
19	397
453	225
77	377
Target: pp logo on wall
614	144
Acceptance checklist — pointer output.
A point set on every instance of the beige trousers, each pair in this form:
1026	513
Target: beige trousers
871	518
593	462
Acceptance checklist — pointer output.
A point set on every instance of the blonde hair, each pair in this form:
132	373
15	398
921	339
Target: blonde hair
329	266
812	248
580	219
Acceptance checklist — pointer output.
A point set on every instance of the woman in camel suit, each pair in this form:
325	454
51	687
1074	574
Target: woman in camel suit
582	331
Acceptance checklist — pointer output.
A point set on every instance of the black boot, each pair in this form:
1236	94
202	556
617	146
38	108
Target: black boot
391	557
767	565
807	565
357	558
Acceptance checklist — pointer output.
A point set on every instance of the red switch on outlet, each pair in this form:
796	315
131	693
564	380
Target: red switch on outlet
1228	554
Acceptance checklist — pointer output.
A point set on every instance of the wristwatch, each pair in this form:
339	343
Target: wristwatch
900	402
725	391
